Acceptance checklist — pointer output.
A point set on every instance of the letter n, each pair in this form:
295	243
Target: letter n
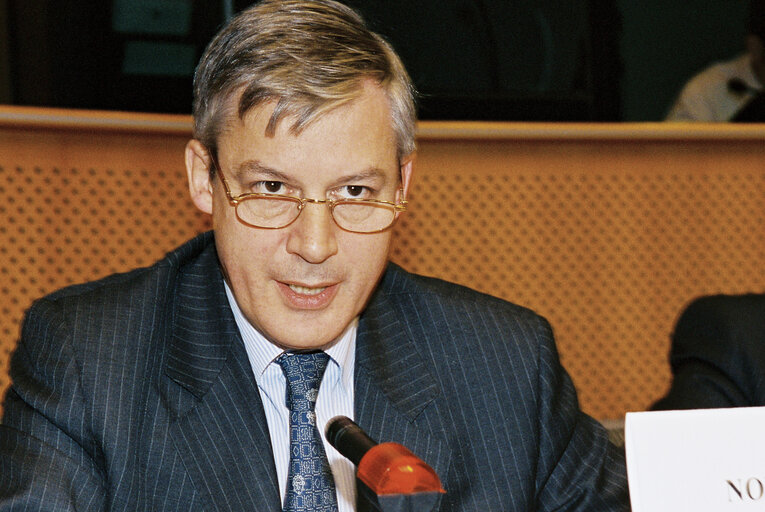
736	490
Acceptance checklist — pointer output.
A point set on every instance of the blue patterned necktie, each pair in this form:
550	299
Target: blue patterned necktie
310	485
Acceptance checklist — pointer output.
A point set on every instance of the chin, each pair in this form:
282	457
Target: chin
310	344
307	340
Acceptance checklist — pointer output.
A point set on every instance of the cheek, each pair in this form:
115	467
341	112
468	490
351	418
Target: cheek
233	234
248	250
368	256
244	251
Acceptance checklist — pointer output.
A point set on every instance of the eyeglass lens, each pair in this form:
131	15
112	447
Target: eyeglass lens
281	211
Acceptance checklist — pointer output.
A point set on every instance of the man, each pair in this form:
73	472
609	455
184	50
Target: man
729	91
718	354
191	385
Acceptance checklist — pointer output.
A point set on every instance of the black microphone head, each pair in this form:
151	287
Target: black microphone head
336	427
348	438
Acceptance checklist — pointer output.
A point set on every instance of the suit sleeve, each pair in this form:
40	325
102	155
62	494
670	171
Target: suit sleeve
716	354
580	469
48	459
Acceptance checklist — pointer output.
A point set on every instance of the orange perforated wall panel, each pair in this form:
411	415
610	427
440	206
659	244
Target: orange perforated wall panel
607	230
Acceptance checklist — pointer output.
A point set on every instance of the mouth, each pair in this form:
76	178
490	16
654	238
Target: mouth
303	297
304	290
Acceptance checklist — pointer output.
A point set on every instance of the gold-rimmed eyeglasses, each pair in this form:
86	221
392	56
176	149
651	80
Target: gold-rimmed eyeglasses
276	211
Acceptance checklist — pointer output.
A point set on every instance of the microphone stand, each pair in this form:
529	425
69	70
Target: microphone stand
407	502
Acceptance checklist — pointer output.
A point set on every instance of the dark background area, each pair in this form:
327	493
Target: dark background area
531	60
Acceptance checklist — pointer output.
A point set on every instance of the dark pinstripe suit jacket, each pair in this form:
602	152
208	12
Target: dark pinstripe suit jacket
135	393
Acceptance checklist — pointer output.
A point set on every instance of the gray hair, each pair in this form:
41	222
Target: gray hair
311	56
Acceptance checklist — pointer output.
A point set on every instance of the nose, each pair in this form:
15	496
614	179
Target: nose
312	235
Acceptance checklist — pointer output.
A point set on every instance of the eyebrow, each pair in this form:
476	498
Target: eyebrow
256	167
366	174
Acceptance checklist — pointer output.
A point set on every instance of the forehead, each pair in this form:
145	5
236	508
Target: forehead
357	134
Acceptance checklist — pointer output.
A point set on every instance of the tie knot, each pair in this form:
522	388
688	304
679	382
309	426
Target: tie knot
303	371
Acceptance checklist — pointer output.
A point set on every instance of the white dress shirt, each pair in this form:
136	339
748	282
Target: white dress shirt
335	398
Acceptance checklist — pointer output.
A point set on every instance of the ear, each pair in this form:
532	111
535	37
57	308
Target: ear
407	165
198	163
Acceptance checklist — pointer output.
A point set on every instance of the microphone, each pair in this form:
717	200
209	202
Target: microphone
390	470
348	438
739	87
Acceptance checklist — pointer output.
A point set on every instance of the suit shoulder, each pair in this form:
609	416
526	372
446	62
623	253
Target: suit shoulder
450	324
119	295
753	301
433	291
723	312
172	262
84	320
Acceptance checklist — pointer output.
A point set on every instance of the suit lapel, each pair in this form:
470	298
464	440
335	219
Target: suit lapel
222	435
393	384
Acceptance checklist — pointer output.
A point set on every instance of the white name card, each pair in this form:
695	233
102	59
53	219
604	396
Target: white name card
700	460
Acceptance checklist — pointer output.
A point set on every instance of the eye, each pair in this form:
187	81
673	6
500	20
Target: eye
269	187
355	192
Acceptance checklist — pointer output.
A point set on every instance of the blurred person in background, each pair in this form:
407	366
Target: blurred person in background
731	90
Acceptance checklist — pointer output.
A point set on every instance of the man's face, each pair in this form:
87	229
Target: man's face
302	285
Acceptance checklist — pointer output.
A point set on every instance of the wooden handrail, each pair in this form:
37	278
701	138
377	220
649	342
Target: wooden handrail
99	120
41	118
474	130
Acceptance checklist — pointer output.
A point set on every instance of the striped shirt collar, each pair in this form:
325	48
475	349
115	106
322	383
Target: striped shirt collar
262	352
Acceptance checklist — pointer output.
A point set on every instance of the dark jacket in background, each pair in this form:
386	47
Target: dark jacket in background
718	354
